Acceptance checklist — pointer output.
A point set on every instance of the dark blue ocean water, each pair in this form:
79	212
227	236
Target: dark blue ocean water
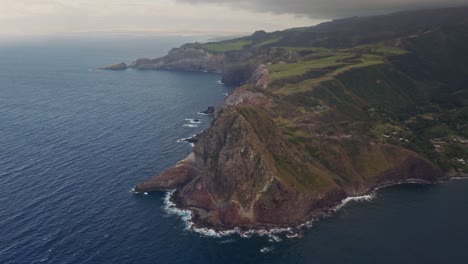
73	143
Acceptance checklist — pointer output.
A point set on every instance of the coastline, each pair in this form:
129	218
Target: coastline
289	231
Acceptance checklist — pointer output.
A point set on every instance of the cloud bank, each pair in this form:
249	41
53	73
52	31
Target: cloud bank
159	17
329	9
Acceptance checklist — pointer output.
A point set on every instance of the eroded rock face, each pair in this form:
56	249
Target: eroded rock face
236	166
414	167
260	76
246	97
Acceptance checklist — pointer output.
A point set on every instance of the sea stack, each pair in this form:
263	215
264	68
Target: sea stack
209	111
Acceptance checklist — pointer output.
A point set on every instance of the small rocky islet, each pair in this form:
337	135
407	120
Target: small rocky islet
114	67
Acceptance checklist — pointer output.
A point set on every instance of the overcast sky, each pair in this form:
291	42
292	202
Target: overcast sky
25	18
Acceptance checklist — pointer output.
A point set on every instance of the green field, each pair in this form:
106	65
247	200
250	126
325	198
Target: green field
225	46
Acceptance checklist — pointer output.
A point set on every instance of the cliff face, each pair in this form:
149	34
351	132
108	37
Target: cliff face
237	67
313	125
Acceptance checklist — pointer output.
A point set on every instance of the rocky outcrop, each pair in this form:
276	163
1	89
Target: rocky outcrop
260	77
209	111
115	67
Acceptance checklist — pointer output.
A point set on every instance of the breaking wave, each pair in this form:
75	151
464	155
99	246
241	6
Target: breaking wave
272	234
190	125
193	120
201	113
267	249
363	198
186	217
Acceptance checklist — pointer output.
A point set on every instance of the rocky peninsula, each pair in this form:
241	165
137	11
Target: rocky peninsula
321	114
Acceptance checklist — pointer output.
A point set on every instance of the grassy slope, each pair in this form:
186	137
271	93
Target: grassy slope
225	46
353	82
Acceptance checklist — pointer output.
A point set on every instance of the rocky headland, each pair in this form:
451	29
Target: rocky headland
320	116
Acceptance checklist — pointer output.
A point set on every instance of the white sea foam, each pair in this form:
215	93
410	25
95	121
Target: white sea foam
227	241
364	198
274	238
186	217
190	125
459	178
133	191
171	208
201	113
193	121
273	234
185	139
293	235
307	224
266	249
408	181
220	82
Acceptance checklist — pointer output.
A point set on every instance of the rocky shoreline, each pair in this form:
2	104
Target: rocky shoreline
291	230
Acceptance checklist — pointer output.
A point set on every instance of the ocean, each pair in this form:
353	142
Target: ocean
74	142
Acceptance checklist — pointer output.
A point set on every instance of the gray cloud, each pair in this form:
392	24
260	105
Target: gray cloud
329	9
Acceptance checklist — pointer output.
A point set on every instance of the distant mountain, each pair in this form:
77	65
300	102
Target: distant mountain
323	113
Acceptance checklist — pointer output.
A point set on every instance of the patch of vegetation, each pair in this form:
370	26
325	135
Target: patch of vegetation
378	48
304	176
299	77
224	46
308	49
384	131
280	71
266	42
